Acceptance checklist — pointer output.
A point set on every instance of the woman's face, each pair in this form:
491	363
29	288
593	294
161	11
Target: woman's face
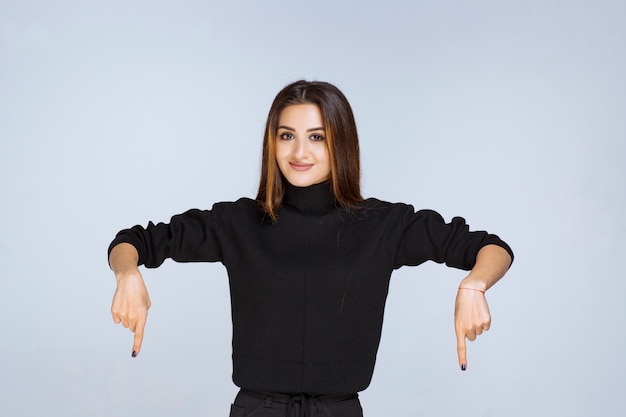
301	150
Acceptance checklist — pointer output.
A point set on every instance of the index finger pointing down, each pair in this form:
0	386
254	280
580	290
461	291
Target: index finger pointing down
461	349
138	337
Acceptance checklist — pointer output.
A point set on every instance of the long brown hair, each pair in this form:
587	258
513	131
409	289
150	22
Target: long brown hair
341	138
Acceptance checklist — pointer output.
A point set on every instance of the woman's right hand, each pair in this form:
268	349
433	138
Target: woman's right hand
131	301
130	305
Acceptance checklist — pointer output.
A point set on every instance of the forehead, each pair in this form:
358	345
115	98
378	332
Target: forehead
300	115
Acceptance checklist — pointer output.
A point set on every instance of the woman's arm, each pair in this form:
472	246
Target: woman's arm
471	313
191	236
131	301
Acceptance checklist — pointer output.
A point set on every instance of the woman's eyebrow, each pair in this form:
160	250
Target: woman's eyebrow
293	130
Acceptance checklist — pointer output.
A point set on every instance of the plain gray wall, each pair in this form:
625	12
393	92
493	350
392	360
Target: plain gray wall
511	114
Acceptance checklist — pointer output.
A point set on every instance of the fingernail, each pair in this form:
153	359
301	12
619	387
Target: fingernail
463	367
134	355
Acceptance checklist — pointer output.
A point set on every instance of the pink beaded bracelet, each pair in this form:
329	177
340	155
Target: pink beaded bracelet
472	289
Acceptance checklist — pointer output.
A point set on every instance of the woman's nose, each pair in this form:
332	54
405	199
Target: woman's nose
300	148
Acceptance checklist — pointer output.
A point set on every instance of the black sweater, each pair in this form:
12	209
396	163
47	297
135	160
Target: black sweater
308	291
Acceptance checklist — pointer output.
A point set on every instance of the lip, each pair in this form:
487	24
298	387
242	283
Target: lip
300	167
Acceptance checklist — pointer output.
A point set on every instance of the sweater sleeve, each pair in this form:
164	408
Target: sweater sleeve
189	237
427	237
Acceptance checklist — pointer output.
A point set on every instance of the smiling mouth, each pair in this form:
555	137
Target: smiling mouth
300	167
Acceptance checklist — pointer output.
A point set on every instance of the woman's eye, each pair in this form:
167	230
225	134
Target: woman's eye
286	136
317	138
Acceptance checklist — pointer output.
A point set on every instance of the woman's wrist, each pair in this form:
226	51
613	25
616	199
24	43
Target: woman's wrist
473	282
471	289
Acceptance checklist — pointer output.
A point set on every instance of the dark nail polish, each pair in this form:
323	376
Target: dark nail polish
463	367
134	354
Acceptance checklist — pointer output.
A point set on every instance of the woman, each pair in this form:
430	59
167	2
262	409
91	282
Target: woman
309	262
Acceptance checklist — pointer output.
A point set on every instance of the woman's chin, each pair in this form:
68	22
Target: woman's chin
304	180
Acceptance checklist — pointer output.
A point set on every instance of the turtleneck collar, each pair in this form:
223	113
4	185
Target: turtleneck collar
314	200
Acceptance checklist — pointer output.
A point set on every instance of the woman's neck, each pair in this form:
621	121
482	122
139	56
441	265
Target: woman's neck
316	199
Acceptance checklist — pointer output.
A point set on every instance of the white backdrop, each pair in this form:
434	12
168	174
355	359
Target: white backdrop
510	114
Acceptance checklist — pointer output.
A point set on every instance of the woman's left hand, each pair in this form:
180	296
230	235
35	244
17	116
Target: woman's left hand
471	318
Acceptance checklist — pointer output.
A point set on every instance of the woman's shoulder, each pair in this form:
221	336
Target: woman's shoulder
373	203
241	202
242	205
374	208
238	210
